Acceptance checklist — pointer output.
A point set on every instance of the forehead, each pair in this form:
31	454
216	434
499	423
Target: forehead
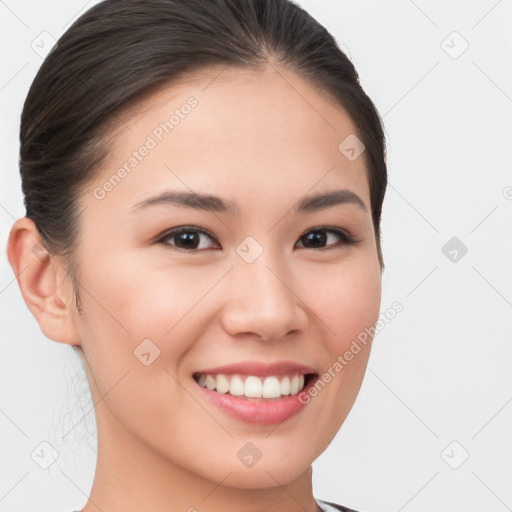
233	130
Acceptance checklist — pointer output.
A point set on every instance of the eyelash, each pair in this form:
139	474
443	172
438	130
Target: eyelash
346	239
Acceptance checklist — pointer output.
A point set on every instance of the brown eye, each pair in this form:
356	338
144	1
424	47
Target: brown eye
187	239
318	238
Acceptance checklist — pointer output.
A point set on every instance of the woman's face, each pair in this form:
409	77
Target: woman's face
255	282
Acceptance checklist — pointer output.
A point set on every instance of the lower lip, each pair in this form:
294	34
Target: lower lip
263	413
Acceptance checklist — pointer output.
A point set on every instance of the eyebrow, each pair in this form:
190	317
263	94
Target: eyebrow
210	203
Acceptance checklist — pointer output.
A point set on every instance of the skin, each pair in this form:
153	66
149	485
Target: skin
264	139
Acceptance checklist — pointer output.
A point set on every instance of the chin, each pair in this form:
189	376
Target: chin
263	476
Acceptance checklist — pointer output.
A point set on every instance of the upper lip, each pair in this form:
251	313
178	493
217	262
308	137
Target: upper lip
260	369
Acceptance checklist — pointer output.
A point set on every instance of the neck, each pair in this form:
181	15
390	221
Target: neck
131	476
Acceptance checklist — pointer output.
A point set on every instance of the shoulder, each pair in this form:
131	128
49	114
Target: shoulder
329	506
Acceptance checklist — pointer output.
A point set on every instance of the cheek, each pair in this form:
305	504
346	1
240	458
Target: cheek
139	324
347	300
142	317
142	299
348	304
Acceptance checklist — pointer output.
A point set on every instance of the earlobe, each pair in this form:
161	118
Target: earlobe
40	278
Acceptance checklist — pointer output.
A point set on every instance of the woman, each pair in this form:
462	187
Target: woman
203	185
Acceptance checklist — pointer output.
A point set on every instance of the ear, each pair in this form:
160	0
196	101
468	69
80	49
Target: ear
41	279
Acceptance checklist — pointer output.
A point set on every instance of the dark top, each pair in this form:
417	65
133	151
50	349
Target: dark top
329	506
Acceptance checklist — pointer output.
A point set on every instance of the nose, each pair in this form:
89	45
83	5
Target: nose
263	301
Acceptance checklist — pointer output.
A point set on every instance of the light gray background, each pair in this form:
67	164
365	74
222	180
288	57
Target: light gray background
439	372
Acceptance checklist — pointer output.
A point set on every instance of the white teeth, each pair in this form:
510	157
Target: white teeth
253	386
285	386
210	382
294	385
271	388
222	384
236	386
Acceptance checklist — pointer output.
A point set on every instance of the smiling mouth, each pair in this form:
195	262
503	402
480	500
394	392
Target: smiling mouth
254	388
